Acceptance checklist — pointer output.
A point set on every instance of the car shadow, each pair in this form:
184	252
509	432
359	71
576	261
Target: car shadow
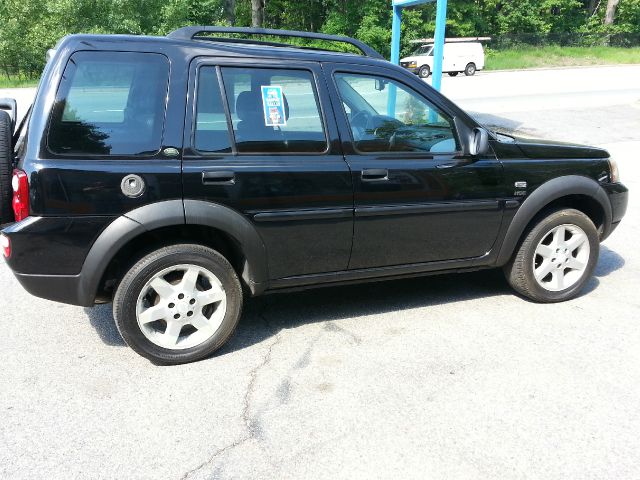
265	316
608	262
101	319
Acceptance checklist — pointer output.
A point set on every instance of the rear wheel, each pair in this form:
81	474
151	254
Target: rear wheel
6	164
470	69
424	71
453	74
556	258
178	304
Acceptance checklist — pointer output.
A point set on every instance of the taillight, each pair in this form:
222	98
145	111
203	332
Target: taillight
5	243
20	184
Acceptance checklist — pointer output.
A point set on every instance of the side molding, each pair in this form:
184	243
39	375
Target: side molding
255	272
545	194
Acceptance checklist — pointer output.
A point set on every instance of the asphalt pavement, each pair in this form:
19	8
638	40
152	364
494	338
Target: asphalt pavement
440	377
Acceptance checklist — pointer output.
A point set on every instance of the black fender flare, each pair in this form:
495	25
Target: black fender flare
545	194
165	214
117	234
255	271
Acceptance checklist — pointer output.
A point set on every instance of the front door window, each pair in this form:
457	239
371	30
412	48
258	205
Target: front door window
386	116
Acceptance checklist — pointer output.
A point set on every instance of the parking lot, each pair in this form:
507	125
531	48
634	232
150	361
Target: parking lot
440	377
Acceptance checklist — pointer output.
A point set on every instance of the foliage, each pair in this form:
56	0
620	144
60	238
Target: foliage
30	27
530	57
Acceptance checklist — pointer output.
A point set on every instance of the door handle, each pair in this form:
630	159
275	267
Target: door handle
375	174
218	177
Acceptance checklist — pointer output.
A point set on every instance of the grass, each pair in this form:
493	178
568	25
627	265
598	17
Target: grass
16	82
553	56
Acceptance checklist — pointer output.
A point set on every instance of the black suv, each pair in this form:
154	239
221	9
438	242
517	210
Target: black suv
170	174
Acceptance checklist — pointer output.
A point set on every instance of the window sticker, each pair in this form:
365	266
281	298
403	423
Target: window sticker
273	106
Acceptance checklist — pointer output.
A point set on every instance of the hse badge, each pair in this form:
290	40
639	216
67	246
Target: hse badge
273	106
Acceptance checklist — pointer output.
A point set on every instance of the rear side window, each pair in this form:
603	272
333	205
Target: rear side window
274	110
211	132
110	103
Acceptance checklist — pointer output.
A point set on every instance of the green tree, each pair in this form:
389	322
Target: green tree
30	27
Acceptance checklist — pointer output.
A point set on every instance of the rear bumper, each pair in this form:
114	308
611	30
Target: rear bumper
59	288
47	255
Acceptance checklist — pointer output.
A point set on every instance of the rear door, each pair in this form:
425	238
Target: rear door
257	140
449	58
418	197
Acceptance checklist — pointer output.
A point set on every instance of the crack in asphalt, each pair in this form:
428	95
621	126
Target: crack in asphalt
252	428
254	375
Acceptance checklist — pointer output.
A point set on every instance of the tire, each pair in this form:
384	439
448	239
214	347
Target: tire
453	74
424	71
171	338
470	69
6	167
533	271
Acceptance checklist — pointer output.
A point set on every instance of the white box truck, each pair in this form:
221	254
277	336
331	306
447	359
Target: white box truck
467	57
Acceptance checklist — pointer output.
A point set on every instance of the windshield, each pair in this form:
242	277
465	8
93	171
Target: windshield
424	50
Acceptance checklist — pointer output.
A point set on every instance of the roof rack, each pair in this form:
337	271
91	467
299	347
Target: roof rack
188	33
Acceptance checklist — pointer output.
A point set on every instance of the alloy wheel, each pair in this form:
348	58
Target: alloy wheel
561	257
181	307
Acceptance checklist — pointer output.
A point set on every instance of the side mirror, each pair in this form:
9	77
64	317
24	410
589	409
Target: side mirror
479	142
475	141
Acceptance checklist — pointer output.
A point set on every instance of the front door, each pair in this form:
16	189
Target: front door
257	141
418	198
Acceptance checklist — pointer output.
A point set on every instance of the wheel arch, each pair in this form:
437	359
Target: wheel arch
147	228
255	270
571	191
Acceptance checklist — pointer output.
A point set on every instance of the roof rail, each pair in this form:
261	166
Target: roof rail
188	33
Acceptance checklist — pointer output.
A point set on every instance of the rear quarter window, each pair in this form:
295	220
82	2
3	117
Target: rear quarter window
110	103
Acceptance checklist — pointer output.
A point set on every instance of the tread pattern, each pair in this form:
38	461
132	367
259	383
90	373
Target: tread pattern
519	272
6	163
126	296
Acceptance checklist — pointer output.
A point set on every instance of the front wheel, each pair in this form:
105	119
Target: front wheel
453	74
470	69
424	71
556	258
178	304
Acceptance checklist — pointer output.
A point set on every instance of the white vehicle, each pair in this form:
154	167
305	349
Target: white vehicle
467	57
